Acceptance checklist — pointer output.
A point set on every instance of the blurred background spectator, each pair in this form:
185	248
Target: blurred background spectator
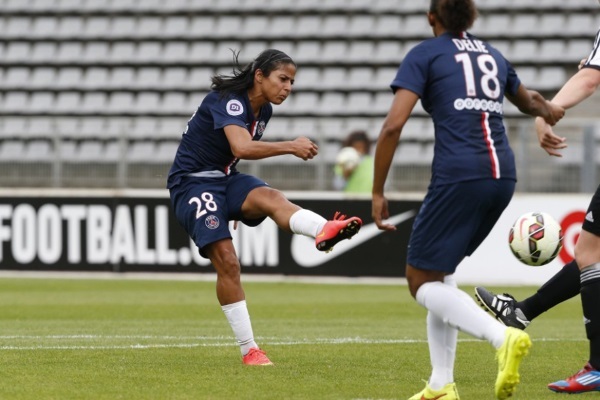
354	164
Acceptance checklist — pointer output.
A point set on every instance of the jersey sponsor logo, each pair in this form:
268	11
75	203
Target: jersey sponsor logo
478	105
211	222
234	107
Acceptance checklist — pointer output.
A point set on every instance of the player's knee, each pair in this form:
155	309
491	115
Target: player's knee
225	261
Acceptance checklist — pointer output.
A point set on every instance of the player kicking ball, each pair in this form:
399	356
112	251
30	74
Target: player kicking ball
207	191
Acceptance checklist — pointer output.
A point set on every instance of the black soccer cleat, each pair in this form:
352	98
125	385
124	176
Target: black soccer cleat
502	307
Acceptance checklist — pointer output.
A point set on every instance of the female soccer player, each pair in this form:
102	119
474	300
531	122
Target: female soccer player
207	191
461	82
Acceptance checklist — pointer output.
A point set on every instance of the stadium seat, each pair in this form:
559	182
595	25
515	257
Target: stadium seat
112	151
141	152
122	26
96	27
149	51
308	25
362	25
361	78
39	150
96	77
283	25
334	51
17	52
335	25
41	102
172	127
67	128
165	151
361	51
12	150
40	128
580	24
143	128
12	127
175	51
69	27
334	77
177	102
69	78
147	103
89	151
175	26
552	50
93	102
43	52
95	51
416	25
121	51
17	77
115	127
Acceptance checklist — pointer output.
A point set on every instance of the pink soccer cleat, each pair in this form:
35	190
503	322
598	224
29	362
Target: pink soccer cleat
339	228
256	356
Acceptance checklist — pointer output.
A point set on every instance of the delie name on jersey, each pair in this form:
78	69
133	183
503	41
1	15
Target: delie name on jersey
476	46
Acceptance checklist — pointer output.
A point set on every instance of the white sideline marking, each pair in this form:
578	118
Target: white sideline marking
219	342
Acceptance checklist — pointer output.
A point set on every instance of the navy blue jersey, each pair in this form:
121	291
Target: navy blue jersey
204	145
461	82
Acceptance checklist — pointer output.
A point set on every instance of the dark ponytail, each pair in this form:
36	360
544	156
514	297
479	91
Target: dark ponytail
242	78
455	15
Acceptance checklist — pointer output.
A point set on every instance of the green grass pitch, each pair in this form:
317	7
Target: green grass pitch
148	339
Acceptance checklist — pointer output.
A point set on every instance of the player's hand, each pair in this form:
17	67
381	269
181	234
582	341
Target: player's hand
581	63
555	113
380	211
549	141
305	148
235	224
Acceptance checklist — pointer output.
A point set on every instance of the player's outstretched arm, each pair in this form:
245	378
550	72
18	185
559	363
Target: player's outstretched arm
581	86
533	103
243	147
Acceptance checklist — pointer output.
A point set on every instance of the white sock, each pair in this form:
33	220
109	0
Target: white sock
307	223
442	339
239	319
456	308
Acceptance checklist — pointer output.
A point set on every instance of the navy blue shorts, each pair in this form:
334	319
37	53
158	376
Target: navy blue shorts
453	221
589	223
204	206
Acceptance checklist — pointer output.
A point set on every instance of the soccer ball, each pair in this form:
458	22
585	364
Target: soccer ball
535	238
348	158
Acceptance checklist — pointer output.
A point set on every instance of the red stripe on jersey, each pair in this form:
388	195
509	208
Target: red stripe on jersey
489	142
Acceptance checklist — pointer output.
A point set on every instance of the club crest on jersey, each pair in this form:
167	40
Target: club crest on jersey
211	222
234	107
260	128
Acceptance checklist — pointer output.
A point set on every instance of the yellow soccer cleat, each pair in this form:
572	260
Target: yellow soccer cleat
448	392
516	346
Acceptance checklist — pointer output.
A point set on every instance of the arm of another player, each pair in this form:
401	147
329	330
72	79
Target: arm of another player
243	147
533	103
581	86
402	106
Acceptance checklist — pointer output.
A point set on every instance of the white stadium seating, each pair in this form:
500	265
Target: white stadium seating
116	78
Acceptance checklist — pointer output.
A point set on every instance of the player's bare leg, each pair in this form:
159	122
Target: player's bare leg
233	301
